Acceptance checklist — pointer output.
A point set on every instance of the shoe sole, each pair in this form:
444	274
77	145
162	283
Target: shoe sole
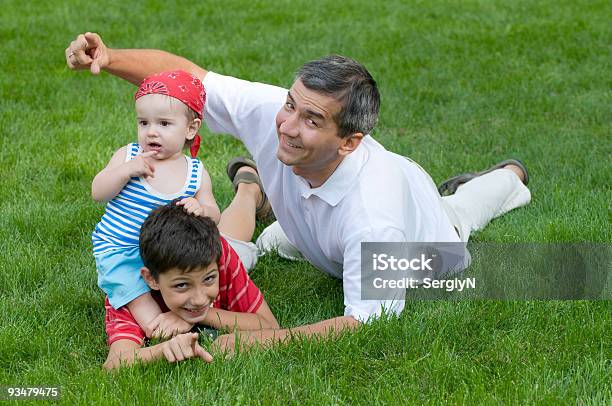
449	186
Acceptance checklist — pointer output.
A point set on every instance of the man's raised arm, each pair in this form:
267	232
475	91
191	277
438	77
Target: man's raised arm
88	51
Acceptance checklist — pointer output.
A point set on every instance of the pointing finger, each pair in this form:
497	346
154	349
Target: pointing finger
95	64
202	353
95	67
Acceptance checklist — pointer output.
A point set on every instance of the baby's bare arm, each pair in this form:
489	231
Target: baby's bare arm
203	203
144	309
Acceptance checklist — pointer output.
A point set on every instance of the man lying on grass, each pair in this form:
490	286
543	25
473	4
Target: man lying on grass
194	273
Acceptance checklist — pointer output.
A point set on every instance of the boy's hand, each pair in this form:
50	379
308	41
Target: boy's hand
191	206
140	166
168	325
184	346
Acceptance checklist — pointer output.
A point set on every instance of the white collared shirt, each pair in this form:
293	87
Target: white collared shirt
373	195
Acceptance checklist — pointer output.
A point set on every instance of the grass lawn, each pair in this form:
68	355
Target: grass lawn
463	84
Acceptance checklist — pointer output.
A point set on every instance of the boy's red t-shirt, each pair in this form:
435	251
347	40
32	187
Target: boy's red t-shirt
237	293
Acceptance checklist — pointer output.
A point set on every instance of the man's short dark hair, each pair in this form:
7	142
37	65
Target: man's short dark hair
349	82
172	238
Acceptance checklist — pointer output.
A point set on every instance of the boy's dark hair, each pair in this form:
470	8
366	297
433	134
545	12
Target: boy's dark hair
172	238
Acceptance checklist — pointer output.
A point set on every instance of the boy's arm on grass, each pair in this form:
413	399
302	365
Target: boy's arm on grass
267	338
182	347
263	319
88	51
109	181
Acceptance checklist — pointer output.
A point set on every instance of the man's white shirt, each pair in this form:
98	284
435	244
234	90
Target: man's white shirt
373	196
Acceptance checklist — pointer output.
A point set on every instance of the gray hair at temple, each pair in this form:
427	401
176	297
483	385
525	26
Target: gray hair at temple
350	83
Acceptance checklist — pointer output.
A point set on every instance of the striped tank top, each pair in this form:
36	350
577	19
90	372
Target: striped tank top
125	213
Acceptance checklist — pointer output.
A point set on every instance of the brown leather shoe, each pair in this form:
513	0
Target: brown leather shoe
449	186
264	210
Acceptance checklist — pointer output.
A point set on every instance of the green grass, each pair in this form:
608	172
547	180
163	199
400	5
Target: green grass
463	85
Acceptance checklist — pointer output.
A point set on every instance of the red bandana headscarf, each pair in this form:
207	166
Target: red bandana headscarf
182	86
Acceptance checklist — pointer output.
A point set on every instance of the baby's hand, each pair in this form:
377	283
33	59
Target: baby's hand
192	206
185	346
168	325
140	165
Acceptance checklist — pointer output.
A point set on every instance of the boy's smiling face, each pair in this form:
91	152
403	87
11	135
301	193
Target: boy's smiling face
188	294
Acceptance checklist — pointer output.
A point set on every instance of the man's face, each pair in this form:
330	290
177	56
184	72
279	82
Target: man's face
307	133
187	294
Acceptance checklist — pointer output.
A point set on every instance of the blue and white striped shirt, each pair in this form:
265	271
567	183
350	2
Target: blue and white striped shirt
125	213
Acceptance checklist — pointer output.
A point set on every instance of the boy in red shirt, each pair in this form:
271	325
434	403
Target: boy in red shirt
196	274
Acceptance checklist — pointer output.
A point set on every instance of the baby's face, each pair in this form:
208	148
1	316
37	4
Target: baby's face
163	126
189	294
